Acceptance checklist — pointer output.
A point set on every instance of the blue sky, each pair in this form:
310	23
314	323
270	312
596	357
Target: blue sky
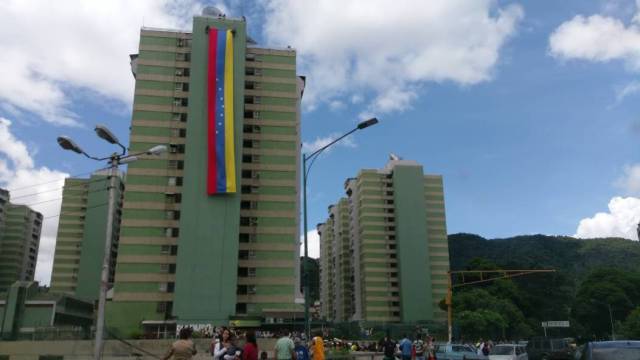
529	112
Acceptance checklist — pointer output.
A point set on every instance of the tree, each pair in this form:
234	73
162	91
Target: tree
631	326
604	295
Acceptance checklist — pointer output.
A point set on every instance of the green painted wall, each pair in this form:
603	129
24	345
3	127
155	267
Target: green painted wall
125	317
206	270
95	225
416	301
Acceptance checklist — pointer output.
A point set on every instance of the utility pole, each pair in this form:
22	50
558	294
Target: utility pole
106	258
305	174
115	160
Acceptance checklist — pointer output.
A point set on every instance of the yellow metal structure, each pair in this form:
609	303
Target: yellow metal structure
501	274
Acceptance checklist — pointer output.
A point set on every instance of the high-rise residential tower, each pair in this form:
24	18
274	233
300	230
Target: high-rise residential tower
392	229
19	242
77	262
4	203
188	256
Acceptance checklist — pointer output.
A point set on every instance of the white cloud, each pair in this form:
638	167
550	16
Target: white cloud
313	246
56	51
598	38
319	142
336	105
621	220
389	48
35	185
630	181
628	90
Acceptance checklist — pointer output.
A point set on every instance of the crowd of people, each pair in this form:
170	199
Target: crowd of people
225	345
422	348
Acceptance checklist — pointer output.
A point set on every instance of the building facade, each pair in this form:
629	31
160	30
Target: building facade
4	203
77	263
185	257
30	312
19	244
396	246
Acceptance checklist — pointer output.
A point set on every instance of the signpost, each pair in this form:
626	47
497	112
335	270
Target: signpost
554	324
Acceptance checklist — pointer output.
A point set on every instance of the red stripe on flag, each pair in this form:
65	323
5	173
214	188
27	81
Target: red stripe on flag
211	112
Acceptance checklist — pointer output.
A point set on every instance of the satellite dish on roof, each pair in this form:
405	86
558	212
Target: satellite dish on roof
212	11
394	157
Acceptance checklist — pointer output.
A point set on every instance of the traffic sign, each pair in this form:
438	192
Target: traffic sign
556	324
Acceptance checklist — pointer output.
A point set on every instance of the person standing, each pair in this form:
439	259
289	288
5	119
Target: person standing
220	345
317	347
183	349
250	349
388	348
284	349
302	353
418	347
405	347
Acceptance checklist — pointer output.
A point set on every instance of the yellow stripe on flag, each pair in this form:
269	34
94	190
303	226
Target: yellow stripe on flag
229	145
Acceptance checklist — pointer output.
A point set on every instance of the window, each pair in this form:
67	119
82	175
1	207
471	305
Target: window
161	307
251	272
251	289
165	250
172	181
241	308
171	232
162	287
164	268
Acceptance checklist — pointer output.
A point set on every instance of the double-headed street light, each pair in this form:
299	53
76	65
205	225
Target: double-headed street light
115	160
305	173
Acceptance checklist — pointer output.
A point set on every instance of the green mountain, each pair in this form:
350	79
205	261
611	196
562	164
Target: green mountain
574	257
592	276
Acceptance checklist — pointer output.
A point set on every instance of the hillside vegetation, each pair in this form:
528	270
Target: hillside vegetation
591	276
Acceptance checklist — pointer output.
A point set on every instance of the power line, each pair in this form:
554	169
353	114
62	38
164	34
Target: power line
61	179
60	198
64	187
65	213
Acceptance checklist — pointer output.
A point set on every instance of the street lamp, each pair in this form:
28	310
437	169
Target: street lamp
115	160
305	173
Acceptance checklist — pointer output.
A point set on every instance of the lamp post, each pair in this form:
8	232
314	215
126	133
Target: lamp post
115	160
305	173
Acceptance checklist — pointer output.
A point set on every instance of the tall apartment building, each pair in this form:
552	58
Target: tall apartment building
19	243
77	263
4	203
186	257
335	234
391	227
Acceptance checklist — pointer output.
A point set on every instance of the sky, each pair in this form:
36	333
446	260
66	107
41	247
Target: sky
529	109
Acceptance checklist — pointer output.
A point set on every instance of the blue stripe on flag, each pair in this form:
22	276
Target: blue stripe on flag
220	130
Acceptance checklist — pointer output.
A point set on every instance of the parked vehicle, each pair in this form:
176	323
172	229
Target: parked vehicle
542	348
457	352
508	352
611	350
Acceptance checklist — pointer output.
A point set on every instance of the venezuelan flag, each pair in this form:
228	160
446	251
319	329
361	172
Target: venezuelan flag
221	171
